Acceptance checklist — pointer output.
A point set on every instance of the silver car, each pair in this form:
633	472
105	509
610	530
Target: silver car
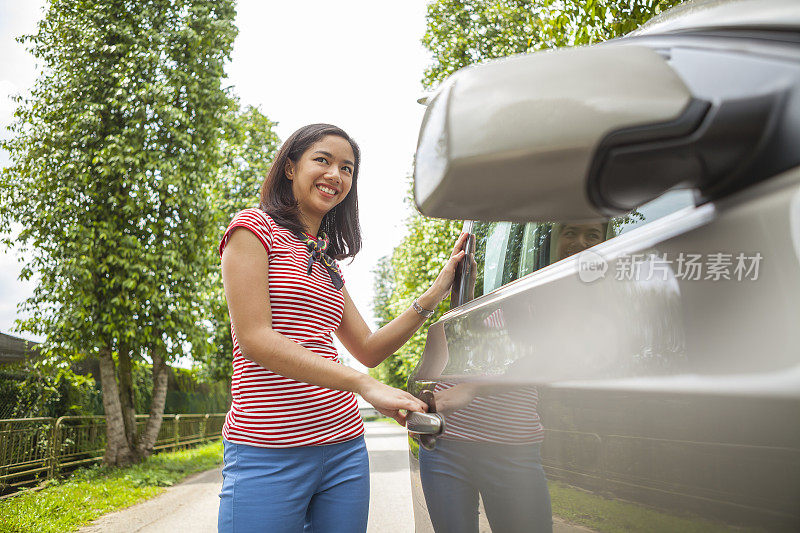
623	347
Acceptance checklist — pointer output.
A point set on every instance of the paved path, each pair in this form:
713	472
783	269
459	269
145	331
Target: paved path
191	506
390	509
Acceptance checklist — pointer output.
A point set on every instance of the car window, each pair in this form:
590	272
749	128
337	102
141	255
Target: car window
506	251
660	207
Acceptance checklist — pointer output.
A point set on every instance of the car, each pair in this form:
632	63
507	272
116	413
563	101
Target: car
625	331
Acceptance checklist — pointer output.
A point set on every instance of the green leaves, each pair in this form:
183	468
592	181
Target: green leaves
112	158
248	146
404	276
463	32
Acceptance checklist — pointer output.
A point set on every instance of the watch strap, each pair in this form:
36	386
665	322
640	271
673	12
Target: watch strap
427	313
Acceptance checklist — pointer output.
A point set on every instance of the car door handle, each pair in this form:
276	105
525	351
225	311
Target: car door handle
425	423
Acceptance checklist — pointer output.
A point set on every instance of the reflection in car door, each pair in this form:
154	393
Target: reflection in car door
637	368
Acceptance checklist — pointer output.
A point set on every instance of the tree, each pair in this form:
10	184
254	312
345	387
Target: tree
463	32
249	144
113	155
405	275
460	33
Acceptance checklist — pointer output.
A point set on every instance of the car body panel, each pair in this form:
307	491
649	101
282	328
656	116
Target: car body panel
638	382
723	15
654	390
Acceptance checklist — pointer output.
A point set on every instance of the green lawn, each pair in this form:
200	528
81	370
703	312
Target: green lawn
91	492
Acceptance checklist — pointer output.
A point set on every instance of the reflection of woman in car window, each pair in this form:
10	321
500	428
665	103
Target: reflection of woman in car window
490	448
570	239
546	243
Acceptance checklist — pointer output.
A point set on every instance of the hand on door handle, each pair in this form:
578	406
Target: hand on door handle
425	423
426	426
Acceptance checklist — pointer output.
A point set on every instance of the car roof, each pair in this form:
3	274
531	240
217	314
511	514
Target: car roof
725	14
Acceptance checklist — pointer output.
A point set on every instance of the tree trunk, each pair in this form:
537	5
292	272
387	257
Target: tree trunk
126	396
160	375
118	452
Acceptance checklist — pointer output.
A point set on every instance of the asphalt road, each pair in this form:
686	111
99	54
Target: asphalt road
191	506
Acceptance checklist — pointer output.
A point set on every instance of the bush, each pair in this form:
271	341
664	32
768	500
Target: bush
42	389
45	389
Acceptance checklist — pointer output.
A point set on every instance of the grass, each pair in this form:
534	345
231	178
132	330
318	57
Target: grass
612	516
65	505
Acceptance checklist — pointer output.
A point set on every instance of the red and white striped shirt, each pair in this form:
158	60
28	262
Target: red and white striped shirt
269	410
509	417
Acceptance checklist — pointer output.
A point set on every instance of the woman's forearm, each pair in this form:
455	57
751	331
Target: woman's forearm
283	356
391	337
371	348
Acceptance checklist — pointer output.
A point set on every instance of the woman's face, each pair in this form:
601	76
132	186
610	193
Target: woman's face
576	238
322	176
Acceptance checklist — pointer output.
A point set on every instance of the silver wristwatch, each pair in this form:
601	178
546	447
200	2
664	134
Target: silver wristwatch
422	312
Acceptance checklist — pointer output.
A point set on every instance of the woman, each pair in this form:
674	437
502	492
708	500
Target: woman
572	238
294	445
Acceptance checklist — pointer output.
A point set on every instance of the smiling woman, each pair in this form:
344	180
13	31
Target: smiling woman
318	155
294	445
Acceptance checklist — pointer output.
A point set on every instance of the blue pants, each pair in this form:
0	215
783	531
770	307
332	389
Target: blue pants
316	489
509	479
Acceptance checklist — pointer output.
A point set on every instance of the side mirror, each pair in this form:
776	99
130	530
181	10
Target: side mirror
515	139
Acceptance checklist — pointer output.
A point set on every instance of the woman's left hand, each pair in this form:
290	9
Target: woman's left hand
444	281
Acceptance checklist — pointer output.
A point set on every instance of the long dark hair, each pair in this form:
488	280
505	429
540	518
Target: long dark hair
278	201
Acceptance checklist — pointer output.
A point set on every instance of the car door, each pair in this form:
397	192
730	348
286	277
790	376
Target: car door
635	373
637	369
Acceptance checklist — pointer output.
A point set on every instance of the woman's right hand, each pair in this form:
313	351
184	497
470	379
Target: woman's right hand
441	286
389	401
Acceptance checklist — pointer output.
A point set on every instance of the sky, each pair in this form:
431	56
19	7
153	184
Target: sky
353	63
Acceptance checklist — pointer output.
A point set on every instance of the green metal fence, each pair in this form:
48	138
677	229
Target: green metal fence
32	449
